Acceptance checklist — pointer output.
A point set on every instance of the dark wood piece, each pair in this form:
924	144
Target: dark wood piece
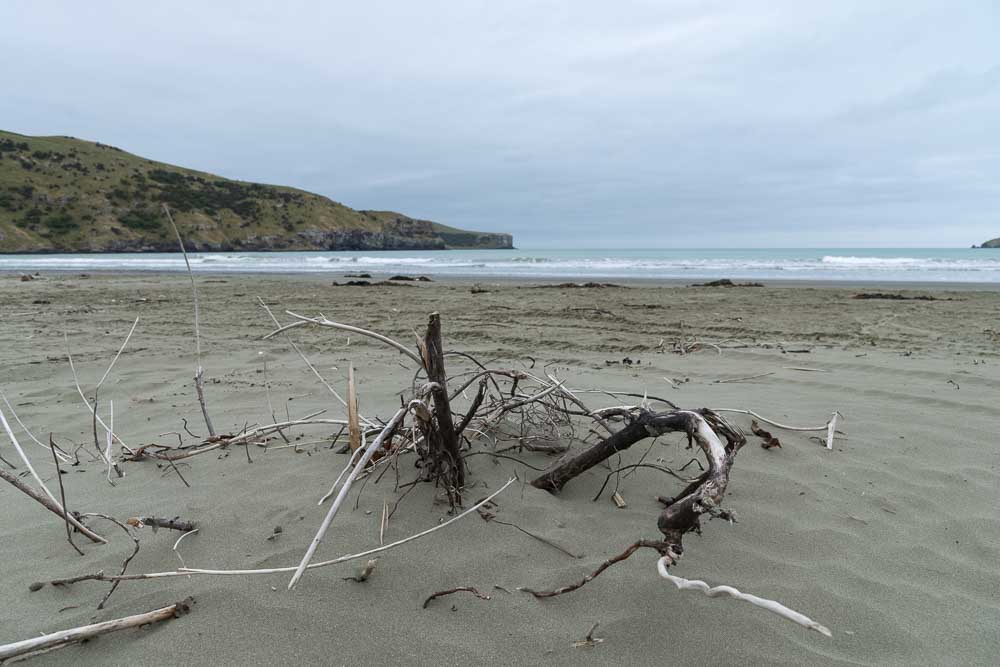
62	495
682	513
171	524
444	449
644	425
460	589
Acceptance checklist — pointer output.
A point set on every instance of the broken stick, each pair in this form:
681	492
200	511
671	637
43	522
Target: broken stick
65	637
460	589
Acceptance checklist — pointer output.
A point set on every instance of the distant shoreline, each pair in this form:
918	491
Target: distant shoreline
813	266
460	280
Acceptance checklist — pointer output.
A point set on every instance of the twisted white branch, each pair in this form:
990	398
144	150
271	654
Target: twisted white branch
715	591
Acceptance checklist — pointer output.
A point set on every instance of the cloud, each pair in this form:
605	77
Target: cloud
566	123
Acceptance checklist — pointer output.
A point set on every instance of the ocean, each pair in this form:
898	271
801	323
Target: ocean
810	264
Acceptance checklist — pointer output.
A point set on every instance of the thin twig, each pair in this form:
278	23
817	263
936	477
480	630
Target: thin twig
460	589
199	371
91	535
62	495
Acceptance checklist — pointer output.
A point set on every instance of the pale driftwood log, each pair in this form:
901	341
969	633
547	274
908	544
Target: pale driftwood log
51	503
65	637
332	512
199	375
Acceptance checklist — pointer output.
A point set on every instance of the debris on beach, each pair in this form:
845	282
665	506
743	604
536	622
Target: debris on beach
726	282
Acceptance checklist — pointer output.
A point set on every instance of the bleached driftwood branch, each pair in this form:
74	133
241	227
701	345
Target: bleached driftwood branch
830	426
65	637
324	322
332	512
764	603
186	571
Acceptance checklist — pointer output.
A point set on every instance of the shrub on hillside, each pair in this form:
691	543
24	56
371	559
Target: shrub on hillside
61	223
142	220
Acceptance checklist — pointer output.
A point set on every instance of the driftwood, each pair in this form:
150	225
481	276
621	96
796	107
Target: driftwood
445	457
703	496
191	571
459	589
300	570
512	409
155	522
48	500
199	375
63	638
62	497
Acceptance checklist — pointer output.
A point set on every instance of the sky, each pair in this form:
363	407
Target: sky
578	124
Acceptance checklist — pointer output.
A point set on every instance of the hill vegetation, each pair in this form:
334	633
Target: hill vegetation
59	194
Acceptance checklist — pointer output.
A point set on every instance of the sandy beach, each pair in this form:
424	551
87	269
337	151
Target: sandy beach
891	539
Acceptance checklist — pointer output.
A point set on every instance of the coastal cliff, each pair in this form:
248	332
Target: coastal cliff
59	194
992	243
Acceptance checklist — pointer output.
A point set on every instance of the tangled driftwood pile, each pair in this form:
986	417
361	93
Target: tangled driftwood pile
503	411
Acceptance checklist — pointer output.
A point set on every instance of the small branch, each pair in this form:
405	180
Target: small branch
741	379
60	453
389	428
62	496
830	427
187	571
128	559
171	524
54	505
541	539
476	402
763	603
199	374
460	589
596	573
634	466
346	327
66	637
353	424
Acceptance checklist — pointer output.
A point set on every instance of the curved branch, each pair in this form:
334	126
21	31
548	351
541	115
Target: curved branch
347	327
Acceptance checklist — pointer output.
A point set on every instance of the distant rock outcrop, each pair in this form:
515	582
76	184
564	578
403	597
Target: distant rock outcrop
59	194
992	243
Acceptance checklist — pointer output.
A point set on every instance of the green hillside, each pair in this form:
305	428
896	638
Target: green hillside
59	194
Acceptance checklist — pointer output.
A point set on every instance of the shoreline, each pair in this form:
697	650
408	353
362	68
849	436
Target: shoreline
525	281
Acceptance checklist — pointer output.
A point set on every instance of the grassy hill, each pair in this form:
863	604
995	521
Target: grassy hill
59	194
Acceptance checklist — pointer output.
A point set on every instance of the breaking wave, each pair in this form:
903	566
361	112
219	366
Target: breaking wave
965	265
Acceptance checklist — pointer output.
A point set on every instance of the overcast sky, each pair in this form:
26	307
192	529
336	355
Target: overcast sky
578	123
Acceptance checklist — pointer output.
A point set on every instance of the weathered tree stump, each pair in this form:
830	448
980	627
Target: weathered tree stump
445	461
